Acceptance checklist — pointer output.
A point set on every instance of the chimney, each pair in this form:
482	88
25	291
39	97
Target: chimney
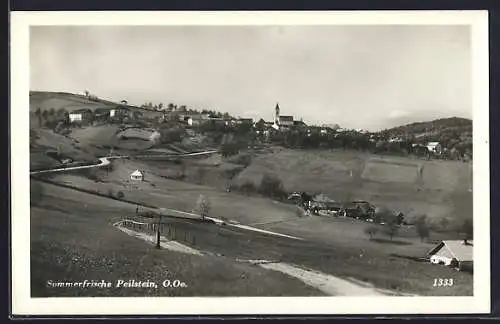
465	242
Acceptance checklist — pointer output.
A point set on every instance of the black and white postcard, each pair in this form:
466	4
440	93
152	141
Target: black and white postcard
250	163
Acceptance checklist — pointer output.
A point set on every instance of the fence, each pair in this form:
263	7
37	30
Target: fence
166	230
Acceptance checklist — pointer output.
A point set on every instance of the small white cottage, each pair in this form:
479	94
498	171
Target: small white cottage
137	176
456	254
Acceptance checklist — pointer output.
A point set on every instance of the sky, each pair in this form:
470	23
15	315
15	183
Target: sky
357	76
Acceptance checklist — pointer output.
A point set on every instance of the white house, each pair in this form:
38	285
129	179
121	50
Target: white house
453	253
434	147
137	176
80	115
196	119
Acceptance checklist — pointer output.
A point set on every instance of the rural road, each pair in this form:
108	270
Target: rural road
106	161
103	162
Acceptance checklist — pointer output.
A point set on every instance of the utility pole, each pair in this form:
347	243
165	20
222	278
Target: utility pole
158	232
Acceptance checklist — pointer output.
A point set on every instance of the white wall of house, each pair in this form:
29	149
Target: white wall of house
443	256
75	117
439	259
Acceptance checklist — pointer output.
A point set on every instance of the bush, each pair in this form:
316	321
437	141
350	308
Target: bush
229	149
110	192
171	135
422	227
272	186
120	195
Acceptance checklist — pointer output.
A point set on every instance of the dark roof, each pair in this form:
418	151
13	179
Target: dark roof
83	110
246	119
286	118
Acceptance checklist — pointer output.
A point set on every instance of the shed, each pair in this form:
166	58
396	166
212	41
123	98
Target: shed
453	253
137	176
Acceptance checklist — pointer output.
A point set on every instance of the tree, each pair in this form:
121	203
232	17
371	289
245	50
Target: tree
383	215
422	227
160	106
305	198
38	113
66	117
391	229
272	186
120	195
371	231
60	113
400	218
45	115
203	206
248	187
87	93
467	229
170	106
229	149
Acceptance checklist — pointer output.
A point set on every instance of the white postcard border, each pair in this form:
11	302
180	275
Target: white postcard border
23	304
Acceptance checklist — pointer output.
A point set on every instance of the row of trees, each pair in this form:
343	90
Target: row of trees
422	227
51	117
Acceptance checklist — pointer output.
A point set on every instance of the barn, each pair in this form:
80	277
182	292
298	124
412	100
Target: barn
453	253
137	176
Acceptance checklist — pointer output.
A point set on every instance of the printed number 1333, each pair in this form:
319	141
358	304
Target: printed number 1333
439	282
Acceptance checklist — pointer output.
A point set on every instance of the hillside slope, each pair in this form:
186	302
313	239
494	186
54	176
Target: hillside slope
450	132
46	100
436	188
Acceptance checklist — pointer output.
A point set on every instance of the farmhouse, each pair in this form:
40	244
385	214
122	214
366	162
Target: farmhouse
195	119
299	123
80	116
246	121
434	147
119	111
456	254
137	176
102	113
219	121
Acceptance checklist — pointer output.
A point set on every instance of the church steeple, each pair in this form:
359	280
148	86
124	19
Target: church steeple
277	116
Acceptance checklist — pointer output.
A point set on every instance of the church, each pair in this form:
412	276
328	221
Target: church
281	121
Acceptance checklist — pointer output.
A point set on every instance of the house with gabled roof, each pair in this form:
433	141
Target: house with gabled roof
434	147
453	253
137	176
